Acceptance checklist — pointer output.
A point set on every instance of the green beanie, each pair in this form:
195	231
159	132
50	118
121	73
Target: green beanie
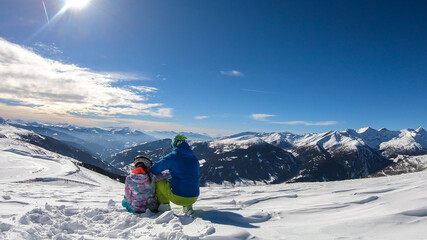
178	140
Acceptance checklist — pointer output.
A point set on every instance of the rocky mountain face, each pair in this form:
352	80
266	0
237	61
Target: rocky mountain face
360	153
123	160
404	164
262	162
258	163
319	164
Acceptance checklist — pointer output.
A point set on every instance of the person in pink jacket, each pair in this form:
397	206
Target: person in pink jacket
140	187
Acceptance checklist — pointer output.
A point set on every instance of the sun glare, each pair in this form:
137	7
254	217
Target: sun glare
77	4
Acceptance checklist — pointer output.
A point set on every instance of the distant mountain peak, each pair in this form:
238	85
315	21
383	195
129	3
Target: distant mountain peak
366	130
350	131
420	130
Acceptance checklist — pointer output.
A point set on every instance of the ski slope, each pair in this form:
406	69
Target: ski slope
46	196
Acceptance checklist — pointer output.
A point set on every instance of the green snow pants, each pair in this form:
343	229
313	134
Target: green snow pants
164	194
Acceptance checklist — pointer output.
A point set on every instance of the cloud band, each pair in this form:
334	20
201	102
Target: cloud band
54	87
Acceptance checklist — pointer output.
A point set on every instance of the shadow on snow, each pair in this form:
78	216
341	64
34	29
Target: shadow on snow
231	218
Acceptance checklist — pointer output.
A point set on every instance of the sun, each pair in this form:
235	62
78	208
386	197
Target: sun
76	4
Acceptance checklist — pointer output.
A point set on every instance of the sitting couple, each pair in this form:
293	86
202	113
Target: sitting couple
148	188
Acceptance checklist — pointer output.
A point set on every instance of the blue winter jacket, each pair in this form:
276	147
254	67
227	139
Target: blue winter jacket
184	168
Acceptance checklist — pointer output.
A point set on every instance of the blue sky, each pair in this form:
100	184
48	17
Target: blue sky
216	66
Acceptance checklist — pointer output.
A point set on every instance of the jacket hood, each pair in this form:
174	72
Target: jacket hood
183	145
138	177
140	170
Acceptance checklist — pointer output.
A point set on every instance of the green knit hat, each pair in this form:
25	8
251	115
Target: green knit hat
178	140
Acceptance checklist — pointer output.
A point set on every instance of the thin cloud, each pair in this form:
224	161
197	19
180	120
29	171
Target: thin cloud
66	89
264	118
327	123
125	77
145	89
261	116
200	117
233	73
158	76
50	49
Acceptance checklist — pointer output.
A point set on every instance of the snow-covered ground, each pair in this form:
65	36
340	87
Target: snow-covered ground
45	196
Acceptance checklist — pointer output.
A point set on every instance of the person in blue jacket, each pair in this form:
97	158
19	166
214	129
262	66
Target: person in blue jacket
183	186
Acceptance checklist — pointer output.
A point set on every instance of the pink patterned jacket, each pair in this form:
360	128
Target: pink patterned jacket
140	194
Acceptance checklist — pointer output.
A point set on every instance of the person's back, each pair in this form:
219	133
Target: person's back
183	186
184	169
140	191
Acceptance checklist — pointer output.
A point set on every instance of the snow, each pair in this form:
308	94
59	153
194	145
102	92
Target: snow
420	129
329	140
230	144
420	161
364	130
10	132
202	161
406	164
336	140
377	208
284	136
272	137
407	139
383	139
46	196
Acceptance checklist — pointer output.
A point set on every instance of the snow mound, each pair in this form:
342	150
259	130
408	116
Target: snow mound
69	222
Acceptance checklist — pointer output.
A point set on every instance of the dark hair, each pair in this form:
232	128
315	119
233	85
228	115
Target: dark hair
145	170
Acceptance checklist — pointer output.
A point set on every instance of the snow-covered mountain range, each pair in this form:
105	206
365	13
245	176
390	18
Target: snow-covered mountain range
98	141
251	157
333	155
390	143
248	157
